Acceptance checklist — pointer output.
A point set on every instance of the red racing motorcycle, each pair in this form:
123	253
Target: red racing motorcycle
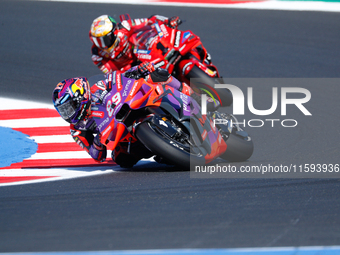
182	54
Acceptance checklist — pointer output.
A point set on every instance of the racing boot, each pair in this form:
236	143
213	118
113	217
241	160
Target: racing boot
122	158
126	155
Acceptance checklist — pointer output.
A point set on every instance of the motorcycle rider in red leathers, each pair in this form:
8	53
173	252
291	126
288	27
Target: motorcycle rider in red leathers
111	49
73	99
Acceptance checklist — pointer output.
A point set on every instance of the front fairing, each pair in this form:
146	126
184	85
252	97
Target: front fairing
163	45
109	108
106	102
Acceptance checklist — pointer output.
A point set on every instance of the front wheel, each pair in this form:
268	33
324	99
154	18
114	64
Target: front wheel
204	83
174	151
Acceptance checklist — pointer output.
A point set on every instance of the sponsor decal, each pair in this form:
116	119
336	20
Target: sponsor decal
159	31
160	17
185	100
204	134
111	80
77	85
127	85
172	36
144	56
159	64
164	30
177	39
139	51
139	21
97	114
111	77
106	131
186	35
101	125
102	96
133	89
119	82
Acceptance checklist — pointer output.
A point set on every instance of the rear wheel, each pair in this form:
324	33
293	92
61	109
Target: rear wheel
175	150
204	82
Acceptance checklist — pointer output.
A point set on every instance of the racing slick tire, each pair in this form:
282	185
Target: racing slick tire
172	151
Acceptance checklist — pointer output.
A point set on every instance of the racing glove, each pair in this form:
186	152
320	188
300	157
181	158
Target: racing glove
145	68
174	22
98	150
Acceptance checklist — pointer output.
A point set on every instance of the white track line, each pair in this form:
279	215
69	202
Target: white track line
60	155
53	139
15	104
35	122
267	5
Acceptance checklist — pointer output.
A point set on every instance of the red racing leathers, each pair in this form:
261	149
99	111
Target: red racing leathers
122	57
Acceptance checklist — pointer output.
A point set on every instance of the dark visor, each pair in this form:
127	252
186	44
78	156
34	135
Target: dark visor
66	110
109	39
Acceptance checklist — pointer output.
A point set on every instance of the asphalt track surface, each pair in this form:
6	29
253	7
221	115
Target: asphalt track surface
45	42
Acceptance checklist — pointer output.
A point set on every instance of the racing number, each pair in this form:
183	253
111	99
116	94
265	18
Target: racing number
116	98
